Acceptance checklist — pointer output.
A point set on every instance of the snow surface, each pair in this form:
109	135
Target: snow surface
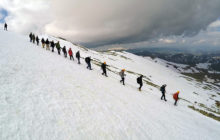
181	68
203	65
44	96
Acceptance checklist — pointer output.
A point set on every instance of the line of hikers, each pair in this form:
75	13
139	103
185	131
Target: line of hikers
122	74
50	44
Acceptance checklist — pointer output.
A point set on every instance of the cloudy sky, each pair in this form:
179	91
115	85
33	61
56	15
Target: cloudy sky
118	23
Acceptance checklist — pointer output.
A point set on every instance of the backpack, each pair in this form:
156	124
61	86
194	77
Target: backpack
87	59
138	80
120	73
102	66
161	88
175	96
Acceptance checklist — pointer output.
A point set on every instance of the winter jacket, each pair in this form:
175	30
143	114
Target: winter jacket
78	55
47	42
37	39
162	88
103	66
70	52
175	96
58	45
42	41
139	80
64	49
52	44
122	74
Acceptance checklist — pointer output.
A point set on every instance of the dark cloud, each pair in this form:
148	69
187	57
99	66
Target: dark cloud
106	22
101	22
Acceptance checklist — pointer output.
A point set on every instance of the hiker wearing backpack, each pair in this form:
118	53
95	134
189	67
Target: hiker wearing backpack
58	47
176	97
47	44
52	44
122	74
37	40
30	36
140	82
70	52
88	62
163	91
43	42
103	66
78	57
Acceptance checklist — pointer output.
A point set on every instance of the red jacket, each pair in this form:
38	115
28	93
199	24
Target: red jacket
175	96
70	52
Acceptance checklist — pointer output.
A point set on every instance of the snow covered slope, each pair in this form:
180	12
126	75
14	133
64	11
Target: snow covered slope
44	96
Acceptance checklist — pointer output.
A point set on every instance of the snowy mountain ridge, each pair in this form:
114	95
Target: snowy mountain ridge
46	96
200	72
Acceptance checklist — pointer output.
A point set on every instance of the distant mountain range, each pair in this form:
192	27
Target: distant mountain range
184	55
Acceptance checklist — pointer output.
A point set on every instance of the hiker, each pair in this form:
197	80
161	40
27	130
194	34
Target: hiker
176	97
64	51
6	26
163	91
43	42
70	52
140	82
122	74
52	44
88	61
58	47
103	66
78	57
47	44
30	36
33	38
37	40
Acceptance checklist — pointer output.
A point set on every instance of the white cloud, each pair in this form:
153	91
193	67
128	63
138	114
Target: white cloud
167	41
215	24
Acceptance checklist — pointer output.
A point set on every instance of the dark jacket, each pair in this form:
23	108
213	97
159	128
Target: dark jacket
78	55
33	36
162	88
103	66
47	42
42	41
30	35
140	80
37	39
64	49
52	44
